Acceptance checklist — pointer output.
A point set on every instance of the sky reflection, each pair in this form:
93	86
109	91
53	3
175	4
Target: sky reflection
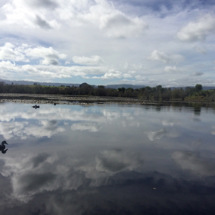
106	159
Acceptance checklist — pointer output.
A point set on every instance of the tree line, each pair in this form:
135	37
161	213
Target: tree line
147	93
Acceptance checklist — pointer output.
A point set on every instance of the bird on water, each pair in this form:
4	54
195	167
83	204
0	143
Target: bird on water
2	147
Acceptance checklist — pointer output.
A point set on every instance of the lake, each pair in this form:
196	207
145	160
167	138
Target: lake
107	159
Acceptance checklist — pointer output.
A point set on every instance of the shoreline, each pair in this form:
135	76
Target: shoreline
63	99
72	99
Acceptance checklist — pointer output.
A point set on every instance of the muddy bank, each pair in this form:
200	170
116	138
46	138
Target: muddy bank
86	100
61	99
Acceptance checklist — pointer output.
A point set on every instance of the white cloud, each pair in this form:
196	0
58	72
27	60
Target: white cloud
16	13
120	26
42	22
10	52
88	32
115	23
42	4
24	53
47	64
163	57
93	60
53	71
101	14
112	74
199	30
170	69
49	55
160	56
8	70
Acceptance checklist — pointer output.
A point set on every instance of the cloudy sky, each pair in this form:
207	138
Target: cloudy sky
146	42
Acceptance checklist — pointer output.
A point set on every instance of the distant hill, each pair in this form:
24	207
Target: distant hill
113	86
116	86
39	83
208	88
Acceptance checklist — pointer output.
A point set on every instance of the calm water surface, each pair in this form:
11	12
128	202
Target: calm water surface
107	159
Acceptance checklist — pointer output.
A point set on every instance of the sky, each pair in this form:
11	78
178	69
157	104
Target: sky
141	42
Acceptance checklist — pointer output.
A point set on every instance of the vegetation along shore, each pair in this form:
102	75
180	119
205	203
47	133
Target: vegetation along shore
88	93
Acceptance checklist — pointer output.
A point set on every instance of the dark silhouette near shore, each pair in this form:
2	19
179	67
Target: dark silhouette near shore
36	106
2	147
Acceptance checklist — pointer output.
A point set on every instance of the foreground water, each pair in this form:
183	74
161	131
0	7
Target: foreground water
107	159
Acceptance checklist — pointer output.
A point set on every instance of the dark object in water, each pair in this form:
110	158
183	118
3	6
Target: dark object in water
2	147
36	106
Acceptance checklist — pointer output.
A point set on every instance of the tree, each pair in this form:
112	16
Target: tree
85	89
101	91
198	87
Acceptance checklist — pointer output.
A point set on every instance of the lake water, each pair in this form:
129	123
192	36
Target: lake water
107	159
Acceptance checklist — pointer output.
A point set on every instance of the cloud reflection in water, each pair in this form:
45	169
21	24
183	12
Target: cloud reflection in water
99	160
193	162
47	172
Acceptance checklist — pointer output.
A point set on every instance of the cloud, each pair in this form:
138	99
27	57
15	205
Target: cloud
170	69
25	53
42	23
47	62
198	74
10	52
159	56
112	74
103	36
198	30
114	22
117	21
49	55
43	4
7	69
93	60
29	14
163	57
120	26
